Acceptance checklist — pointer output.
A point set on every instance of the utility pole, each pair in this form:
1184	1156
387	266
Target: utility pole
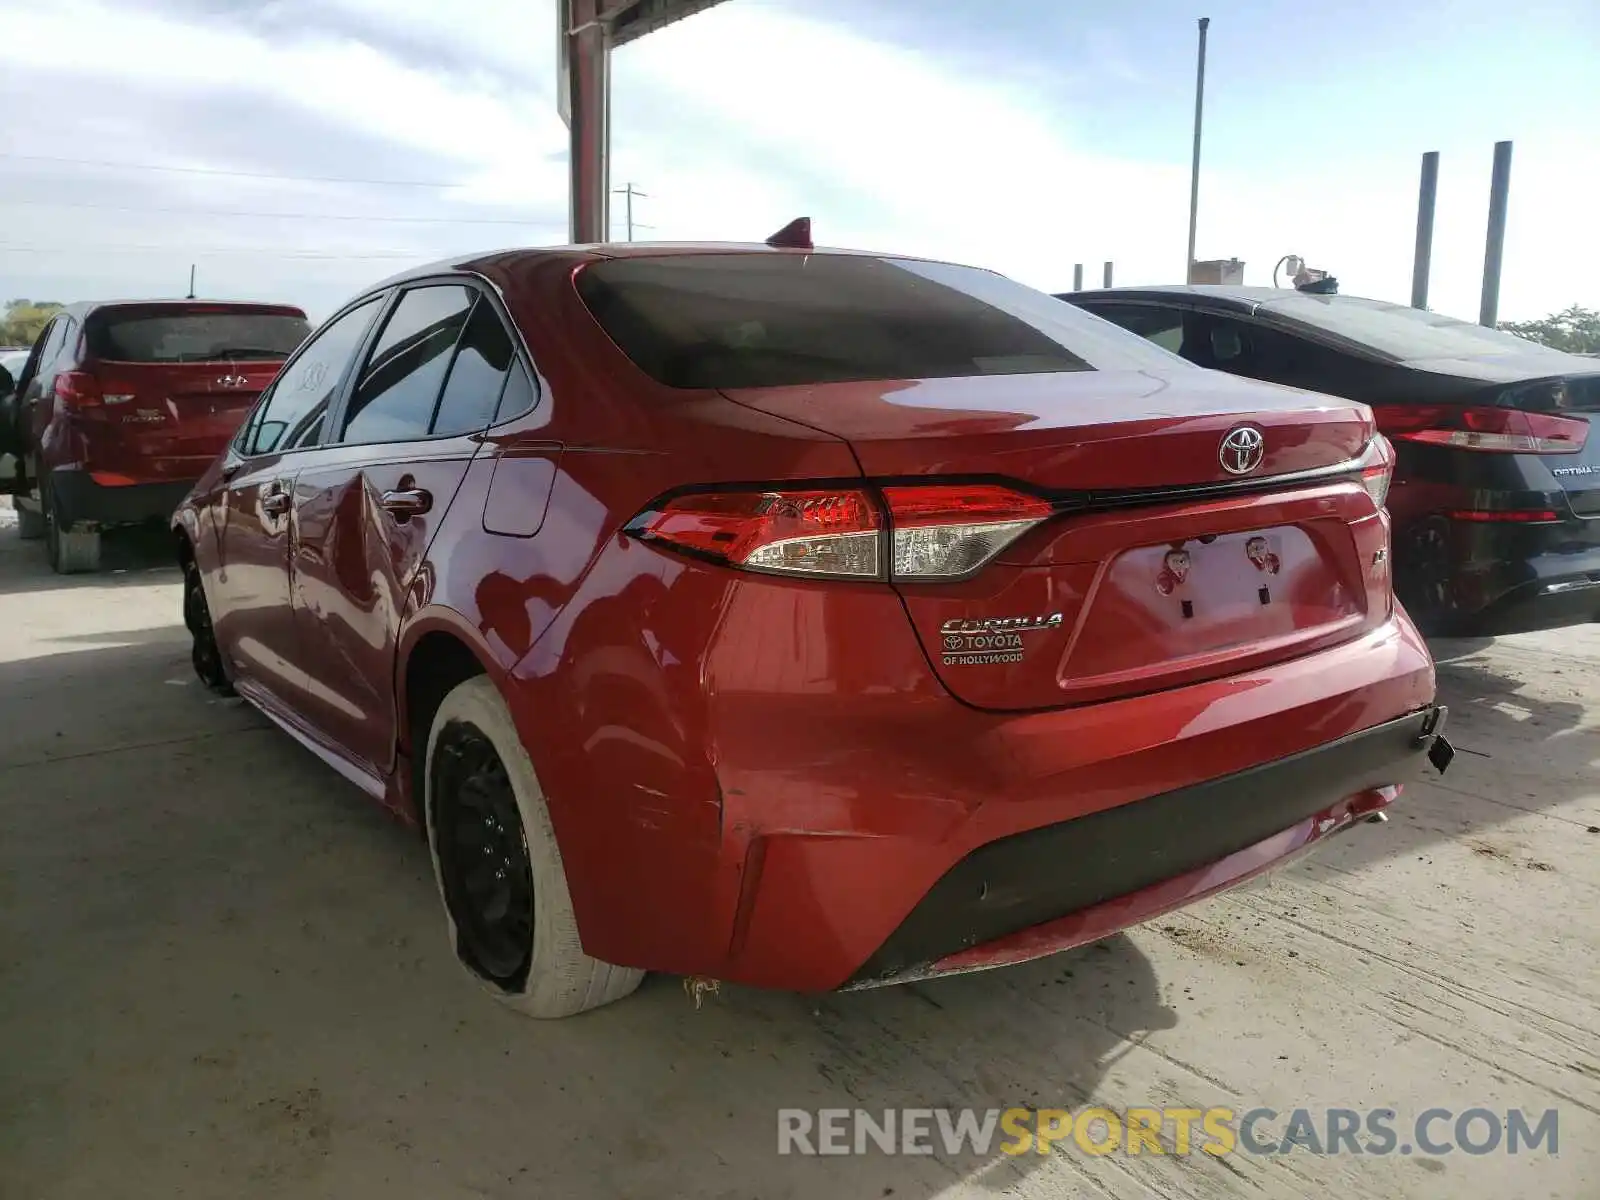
191	280
630	192
1194	171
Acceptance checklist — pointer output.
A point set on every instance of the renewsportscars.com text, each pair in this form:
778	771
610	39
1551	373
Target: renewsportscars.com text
1179	1131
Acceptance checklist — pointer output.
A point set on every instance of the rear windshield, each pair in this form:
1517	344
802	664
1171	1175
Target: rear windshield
1400	331
168	336
774	320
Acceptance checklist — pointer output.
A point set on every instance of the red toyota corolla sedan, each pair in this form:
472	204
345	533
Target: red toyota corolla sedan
803	618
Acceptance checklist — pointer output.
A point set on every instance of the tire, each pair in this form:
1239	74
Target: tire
483	799
71	551
204	653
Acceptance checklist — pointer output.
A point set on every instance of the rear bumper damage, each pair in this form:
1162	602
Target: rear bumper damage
1518	579
1063	885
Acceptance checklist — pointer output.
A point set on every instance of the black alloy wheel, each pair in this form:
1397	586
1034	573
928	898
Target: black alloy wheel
483	855
204	654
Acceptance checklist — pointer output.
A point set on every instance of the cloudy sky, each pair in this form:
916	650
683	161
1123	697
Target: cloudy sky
300	149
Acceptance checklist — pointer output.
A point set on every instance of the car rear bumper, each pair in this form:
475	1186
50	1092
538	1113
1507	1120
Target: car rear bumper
1062	885
80	498
846	838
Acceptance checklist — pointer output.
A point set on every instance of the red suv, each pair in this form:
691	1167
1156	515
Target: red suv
806	619
121	406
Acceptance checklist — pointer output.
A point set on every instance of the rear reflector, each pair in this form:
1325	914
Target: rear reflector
1509	516
935	532
1500	430
77	389
112	479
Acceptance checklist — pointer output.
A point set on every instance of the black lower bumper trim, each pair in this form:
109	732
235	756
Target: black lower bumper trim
1029	878
80	499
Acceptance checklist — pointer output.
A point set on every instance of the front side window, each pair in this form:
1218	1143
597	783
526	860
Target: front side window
772	320
399	389
299	398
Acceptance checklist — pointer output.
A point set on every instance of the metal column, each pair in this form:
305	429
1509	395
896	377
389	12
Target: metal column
586	82
1077	277
1499	198
1423	260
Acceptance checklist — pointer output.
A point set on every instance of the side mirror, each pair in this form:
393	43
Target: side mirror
7	384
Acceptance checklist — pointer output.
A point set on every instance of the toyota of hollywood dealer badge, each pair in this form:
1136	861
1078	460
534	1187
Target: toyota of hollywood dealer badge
970	642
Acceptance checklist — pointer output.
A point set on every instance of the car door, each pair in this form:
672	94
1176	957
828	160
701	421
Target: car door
36	388
369	507
252	512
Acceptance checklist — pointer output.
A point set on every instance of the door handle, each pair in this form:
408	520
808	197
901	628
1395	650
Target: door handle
406	503
275	504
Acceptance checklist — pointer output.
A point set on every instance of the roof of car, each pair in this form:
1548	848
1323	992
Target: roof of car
83	308
491	261
1235	293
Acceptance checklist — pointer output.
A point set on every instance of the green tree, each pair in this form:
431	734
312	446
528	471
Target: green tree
1575	330
25	321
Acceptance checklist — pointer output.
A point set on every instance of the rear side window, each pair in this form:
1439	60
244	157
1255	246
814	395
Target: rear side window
173	334
295	407
477	375
772	320
1163	326
394	402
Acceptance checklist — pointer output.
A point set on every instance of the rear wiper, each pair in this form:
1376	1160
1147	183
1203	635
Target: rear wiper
245	352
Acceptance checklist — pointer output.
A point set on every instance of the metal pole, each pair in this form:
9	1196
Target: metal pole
588	61
191	280
1194	171
1495	244
1077	277
1108	276
1424	257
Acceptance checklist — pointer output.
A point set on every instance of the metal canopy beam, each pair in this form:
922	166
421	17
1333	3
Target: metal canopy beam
587	32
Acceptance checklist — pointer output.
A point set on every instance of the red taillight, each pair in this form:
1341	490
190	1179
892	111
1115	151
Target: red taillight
814	532
77	389
1378	470
947	531
934	532
1499	430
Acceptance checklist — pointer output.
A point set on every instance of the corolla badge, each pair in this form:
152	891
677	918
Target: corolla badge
1242	449
973	641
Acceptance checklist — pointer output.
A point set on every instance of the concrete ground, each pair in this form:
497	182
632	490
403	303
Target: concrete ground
224	974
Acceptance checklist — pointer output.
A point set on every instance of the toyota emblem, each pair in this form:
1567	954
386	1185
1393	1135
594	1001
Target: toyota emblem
1242	450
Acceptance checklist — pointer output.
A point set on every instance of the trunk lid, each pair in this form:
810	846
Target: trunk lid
1161	566
1090	431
